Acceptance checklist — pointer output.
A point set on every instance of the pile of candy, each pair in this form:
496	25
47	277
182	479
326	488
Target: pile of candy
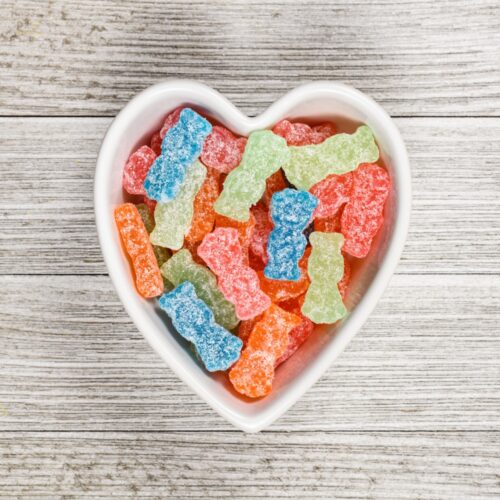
247	242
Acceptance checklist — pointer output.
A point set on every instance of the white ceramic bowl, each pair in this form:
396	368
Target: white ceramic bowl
316	101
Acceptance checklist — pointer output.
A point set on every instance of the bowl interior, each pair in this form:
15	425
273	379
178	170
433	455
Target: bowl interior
134	127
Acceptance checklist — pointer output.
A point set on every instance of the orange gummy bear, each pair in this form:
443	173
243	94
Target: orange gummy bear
274	184
203	208
281	290
253	374
135	237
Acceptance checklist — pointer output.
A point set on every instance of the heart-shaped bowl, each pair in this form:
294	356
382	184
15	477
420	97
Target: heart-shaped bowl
314	102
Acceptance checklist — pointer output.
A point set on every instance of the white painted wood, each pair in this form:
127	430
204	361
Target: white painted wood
47	188
427	359
90	57
298	465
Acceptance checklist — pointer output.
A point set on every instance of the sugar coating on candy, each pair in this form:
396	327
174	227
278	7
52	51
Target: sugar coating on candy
135	238
217	348
181	267
274	183
279	290
173	218
295	134
332	193
245	230
261	231
223	150
301	134
346	279
291	212
297	336
338	154
161	254
253	374
364	214
136	169
222	252
181	146
155	143
204	214
264	154
170	120
323	302
322	131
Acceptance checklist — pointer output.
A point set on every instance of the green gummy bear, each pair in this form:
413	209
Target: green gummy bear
264	154
181	267
161	254
173	218
323	302
147	218
338	154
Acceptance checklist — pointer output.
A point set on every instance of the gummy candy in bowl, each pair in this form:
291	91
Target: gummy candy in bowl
312	103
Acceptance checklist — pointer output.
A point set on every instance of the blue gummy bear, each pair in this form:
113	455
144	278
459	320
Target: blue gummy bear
291	212
194	320
181	146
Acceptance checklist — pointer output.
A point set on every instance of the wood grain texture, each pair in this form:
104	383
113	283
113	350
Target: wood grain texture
427	359
299	465
46	195
88	410
90	57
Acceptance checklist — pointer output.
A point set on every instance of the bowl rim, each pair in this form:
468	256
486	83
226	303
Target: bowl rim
244	125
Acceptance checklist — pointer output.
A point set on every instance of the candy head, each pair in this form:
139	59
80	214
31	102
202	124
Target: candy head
292	207
179	303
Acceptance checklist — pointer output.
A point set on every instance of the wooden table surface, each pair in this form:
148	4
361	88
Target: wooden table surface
412	407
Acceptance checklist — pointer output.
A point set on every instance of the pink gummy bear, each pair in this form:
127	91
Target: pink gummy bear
222	150
332	193
136	169
239	283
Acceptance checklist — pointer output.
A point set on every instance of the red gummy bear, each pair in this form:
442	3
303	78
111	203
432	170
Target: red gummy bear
332	192
321	132
301	134
222	149
171	119
136	169
222	252
363	214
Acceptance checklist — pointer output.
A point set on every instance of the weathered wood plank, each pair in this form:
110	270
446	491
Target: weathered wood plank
47	207
427	359
387	465
89	57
